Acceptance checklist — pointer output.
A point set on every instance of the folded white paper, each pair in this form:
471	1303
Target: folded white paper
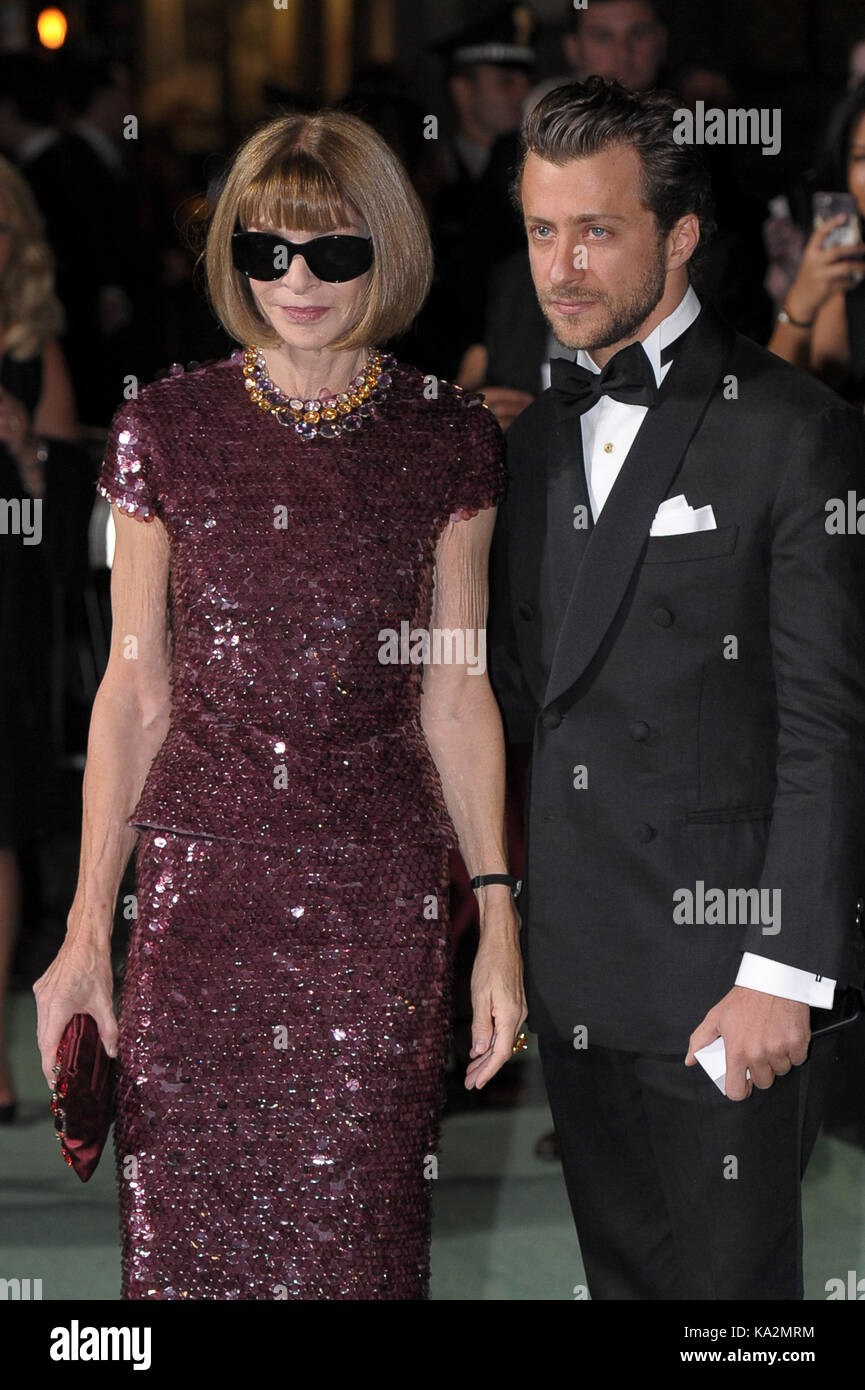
676	517
713	1060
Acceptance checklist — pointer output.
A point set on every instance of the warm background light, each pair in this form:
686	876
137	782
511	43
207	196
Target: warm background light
51	27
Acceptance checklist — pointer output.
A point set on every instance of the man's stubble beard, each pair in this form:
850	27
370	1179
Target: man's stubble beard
624	318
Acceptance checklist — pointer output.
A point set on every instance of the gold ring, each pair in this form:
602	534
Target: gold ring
520	1043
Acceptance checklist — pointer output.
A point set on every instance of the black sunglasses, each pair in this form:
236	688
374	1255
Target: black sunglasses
263	256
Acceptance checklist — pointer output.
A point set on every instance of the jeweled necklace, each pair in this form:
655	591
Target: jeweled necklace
329	416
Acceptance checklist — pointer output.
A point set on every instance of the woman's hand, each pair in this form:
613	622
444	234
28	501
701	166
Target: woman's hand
498	1000
78	981
823	271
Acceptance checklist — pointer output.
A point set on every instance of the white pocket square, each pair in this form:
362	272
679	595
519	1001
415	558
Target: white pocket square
676	517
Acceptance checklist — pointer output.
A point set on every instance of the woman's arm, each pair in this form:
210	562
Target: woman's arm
56	414
824	273
830	342
128	724
463	728
55	417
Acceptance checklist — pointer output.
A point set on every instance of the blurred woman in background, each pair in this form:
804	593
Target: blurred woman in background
37	416
821	326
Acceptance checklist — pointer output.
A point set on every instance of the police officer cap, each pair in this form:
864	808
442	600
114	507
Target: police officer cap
505	38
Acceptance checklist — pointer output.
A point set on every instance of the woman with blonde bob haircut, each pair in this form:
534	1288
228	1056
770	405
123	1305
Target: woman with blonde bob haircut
292	754
323	169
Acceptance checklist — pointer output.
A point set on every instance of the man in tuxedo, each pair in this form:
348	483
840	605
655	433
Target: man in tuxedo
678	627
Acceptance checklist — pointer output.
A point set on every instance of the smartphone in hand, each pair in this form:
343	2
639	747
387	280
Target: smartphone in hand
849	233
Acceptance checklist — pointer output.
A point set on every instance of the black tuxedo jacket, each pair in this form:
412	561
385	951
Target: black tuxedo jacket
696	703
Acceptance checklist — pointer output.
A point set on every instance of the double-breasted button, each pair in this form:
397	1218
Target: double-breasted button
644	833
639	731
526	611
551	719
662	616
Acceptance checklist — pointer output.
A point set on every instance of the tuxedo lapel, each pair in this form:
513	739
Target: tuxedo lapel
615	545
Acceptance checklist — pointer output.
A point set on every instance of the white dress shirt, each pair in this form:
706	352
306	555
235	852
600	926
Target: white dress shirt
609	429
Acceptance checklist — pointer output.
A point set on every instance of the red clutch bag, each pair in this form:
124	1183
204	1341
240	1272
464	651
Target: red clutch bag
82	1100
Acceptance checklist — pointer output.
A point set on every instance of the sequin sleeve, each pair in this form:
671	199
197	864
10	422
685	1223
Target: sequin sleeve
478	480
126	477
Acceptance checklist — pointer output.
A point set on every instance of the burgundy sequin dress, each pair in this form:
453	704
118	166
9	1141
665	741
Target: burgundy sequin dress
285	1009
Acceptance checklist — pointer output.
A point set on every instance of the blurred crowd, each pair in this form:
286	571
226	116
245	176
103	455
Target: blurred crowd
102	219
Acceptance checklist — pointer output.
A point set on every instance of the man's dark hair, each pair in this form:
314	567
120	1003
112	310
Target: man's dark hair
584	118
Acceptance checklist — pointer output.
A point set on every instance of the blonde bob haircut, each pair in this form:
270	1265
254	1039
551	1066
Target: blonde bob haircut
314	173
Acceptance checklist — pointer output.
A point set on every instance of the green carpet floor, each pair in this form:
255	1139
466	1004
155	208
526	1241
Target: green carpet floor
501	1231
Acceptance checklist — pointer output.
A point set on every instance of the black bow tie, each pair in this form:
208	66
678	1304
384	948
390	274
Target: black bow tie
627	377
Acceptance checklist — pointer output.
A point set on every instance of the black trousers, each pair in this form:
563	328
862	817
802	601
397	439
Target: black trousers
678	1192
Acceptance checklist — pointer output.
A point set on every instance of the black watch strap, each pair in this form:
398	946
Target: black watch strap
515	884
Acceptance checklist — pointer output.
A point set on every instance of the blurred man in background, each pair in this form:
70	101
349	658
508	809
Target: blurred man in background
488	66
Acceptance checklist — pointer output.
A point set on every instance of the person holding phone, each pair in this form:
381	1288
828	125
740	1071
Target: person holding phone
821	326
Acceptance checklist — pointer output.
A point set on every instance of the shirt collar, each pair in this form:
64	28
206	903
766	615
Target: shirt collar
666	332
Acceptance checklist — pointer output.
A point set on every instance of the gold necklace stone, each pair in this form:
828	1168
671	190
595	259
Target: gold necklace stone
331	415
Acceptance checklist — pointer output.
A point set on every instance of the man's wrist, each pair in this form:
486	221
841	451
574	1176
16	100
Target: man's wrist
769	976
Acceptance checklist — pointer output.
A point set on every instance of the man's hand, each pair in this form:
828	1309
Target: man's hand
505	402
762	1033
